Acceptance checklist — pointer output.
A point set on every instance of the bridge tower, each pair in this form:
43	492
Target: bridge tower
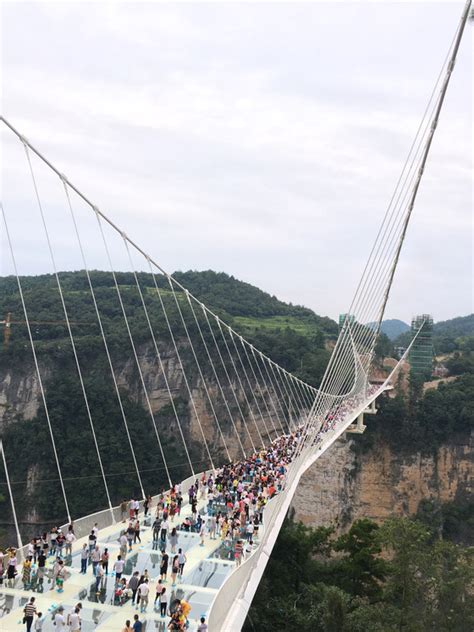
421	352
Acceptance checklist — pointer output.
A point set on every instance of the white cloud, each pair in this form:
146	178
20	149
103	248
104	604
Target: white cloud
263	140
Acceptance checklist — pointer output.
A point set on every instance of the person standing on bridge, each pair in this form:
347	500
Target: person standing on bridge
118	568
70	539
174	570
123	510
137	624
163	598
143	591
164	567
29	611
174	540
182	559
74	620
84	558
163	534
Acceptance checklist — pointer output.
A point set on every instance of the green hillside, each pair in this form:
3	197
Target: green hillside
293	335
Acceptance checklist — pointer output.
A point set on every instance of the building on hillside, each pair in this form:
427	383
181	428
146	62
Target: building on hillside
421	352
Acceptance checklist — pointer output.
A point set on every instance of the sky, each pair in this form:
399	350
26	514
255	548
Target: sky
259	139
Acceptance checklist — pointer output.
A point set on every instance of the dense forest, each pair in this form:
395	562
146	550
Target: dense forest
294	336
402	576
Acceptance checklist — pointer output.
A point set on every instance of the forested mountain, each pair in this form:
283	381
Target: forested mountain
393	327
293	336
448	335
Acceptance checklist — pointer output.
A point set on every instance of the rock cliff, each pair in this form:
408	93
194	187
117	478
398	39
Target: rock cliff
344	485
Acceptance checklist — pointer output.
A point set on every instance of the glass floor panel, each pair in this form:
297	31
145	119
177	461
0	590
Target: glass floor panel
208	574
90	619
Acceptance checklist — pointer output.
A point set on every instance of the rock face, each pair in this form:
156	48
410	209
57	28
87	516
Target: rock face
19	394
343	485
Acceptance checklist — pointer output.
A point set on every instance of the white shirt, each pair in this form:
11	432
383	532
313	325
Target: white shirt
96	555
74	622
118	566
59	621
143	589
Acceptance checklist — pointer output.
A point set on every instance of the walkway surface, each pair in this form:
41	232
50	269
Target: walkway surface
206	568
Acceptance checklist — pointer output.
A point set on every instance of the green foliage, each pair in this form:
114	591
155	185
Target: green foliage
314	583
361	569
448	335
461	362
294	336
426	422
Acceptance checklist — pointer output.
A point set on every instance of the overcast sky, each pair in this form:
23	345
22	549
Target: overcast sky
263	140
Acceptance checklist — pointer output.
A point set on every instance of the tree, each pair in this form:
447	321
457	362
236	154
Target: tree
362	570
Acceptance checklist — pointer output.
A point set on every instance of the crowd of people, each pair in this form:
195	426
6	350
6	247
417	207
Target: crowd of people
226	504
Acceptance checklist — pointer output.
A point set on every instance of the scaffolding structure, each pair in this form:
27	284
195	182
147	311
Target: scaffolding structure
421	353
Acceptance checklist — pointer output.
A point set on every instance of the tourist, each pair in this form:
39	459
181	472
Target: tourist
238	549
26	573
123	545
158	591
29	611
136	528
127	627
147	504
53	534
118	568
212	527
59	620
133	585
74	620
131	509
130	535
38	624
163	599
70	539
104	560
95	559
202	627
59	574
182	559
41	570
164	567
60	542
137	624
174	540
84	558
174	570
143	592
92	539
123	510
99	578
11	566
163	532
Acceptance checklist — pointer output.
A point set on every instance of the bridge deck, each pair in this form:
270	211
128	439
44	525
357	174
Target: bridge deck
204	572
